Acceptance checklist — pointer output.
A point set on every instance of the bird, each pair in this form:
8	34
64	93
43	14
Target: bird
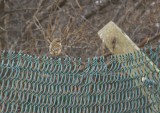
55	47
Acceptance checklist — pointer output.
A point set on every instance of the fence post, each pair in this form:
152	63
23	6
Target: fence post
119	43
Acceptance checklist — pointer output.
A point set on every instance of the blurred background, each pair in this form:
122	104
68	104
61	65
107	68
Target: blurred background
68	28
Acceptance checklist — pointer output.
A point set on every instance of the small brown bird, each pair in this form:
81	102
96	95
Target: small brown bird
55	47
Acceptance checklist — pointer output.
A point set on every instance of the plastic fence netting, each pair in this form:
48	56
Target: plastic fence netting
29	84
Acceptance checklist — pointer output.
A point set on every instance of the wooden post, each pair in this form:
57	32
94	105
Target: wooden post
119	43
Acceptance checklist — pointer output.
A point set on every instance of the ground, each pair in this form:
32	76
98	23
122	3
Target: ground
32	26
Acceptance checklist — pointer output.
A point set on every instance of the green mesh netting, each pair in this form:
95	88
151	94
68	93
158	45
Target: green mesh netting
129	84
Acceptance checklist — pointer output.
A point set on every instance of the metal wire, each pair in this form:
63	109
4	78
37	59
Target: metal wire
29	84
